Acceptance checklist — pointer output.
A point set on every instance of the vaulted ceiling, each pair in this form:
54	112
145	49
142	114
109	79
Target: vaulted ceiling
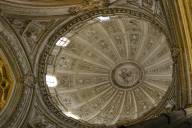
110	71
110	62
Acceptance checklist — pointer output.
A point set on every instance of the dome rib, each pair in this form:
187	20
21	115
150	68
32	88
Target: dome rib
106	33
97	50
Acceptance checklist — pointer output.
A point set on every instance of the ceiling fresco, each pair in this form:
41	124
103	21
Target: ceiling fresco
110	70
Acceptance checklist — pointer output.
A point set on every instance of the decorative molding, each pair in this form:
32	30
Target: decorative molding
29	80
176	52
18	107
38	120
16	49
177	22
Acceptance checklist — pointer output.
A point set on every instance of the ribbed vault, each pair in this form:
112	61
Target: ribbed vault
110	70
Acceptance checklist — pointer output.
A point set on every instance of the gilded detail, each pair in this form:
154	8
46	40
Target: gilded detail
5	84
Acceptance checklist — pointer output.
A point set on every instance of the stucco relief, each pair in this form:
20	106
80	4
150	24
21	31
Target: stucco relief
82	47
129	70
30	31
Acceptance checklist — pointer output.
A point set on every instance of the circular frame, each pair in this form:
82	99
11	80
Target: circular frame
122	74
67	27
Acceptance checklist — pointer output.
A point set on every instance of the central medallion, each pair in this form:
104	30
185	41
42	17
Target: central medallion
127	74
